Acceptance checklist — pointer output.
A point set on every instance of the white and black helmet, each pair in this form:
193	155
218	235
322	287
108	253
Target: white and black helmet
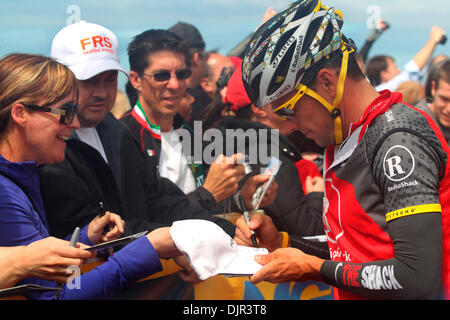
285	47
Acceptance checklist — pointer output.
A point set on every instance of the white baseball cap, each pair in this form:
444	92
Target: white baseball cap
211	251
87	49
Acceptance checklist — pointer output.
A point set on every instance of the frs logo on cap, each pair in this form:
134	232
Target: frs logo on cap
95	42
398	163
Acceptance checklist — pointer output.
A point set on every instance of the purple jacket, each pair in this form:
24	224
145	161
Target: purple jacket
23	221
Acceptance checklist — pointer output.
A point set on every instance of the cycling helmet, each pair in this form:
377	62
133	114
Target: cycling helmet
298	39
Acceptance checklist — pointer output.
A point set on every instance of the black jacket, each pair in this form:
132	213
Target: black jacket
72	189
151	148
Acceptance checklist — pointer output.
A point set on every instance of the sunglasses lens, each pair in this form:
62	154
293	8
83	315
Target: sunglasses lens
183	74
162	76
70	110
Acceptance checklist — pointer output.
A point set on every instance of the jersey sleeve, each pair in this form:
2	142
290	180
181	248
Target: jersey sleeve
406	167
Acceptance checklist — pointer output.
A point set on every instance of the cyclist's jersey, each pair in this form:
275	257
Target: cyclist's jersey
386	206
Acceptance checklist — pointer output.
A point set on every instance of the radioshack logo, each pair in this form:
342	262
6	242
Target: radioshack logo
96	44
398	163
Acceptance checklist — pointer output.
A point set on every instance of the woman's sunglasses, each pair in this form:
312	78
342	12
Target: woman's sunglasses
165	75
67	111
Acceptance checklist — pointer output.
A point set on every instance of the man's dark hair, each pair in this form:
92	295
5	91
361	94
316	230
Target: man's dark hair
432	76
374	68
444	73
334	62
149	42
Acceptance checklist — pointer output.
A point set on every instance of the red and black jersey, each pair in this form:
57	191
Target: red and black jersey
386	206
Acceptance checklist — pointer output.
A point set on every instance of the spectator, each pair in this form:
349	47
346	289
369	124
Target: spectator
383	73
386	175
433	73
158	74
218	67
439	106
38	112
122	179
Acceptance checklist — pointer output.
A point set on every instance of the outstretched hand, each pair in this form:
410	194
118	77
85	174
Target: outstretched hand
113	222
48	259
187	273
287	265
224	176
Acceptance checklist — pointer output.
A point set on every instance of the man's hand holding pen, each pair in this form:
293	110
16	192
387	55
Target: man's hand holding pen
111	221
266	233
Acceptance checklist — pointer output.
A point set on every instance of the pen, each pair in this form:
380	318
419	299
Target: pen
75	236
101	209
101	212
247	219
73	243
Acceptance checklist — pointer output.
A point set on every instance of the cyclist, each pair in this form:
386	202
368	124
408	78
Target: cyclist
386	171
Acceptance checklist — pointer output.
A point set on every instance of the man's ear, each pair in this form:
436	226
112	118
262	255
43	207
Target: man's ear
135	80
433	88
19	114
327	80
195	60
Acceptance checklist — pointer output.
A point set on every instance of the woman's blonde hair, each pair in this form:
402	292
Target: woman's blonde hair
32	79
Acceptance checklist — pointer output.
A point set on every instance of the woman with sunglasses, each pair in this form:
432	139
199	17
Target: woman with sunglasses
37	113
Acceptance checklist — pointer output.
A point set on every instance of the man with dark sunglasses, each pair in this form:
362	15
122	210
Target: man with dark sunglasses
157	84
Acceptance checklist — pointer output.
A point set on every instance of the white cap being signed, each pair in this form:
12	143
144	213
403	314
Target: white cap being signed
212	251
87	49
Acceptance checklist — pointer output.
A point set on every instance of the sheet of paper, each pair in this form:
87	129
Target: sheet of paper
244	264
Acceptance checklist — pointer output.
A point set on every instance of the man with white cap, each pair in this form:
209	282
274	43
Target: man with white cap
103	162
92	53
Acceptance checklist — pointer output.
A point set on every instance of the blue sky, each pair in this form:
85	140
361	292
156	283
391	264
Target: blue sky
30	25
